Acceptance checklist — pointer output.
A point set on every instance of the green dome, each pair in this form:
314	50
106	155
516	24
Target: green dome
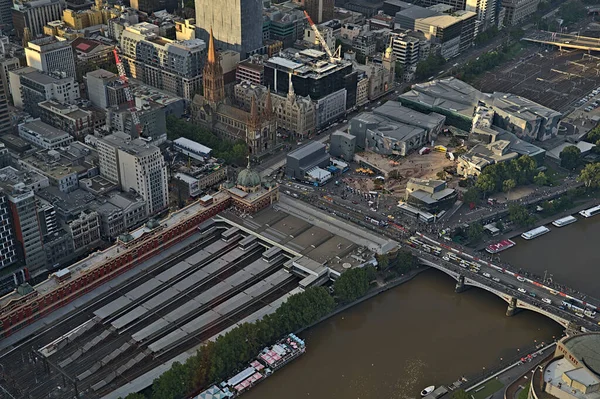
248	178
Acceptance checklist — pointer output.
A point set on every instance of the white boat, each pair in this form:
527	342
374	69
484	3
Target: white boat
427	390
590	212
538	231
564	221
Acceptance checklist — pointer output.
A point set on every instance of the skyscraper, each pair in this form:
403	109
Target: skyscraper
237	24
319	10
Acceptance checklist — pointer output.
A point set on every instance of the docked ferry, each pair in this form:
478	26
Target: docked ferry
500	246
538	231
564	221
587	213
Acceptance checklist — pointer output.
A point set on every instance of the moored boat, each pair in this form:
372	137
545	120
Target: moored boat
427	390
500	246
564	221
538	231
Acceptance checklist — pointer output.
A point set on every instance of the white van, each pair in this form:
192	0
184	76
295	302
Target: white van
546	300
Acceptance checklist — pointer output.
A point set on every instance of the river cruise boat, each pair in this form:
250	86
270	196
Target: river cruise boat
588	213
538	231
564	221
500	246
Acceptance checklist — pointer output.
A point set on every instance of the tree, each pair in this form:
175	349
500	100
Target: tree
441	175
590	175
135	396
500	225
594	135
475	232
508	185
540	179
570	157
572	11
395	174
429	66
519	215
460	394
352	284
486	183
403	262
399	71
383	261
471	196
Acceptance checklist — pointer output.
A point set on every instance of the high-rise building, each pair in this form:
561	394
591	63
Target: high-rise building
98	83
517	10
236	24
485	10
51	55
34	15
135	165
5	125
149	6
319	10
8	247
174	66
6	15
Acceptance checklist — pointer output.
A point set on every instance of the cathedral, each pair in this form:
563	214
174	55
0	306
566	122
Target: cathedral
214	112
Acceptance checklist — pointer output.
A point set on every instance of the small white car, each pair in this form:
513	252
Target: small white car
546	300
496	279
522	290
521	279
487	275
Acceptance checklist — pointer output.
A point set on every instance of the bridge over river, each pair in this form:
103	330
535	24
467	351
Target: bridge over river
518	291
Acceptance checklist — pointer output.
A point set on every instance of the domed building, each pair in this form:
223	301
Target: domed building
250	193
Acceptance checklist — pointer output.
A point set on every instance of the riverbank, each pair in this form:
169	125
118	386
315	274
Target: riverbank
374	292
542	222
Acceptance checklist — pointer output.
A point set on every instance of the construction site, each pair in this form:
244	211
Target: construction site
554	78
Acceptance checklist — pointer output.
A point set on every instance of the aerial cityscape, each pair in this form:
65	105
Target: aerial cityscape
334	199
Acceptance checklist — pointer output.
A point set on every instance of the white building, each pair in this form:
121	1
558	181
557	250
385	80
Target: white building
44	135
51	54
192	149
30	87
135	165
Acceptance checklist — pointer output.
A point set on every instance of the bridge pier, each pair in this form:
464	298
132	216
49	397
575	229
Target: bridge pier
460	284
512	307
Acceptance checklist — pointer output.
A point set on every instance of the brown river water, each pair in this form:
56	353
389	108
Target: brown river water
418	334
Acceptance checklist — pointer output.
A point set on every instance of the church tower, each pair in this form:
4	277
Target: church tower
212	78
253	129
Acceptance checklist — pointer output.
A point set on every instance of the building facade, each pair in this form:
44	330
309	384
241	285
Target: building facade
135	165
33	15
236	24
518	10
169	65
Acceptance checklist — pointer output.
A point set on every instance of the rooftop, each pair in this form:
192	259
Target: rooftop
586	348
386	127
43	129
124	142
554	376
396	111
307	149
521	106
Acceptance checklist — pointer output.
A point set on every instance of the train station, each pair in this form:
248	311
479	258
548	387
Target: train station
232	268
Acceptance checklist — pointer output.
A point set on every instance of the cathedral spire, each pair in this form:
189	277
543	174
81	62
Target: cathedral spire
212	52
291	93
254	120
212	77
268	106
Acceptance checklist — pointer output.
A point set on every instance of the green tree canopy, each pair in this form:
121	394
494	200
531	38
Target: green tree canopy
475	232
353	284
570	157
590	175
508	185
472	196
429	66
571	12
518	214
403	261
486	183
541	179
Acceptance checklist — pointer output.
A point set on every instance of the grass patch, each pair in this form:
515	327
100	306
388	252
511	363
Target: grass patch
490	387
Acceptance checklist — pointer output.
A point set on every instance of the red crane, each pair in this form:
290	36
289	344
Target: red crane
128	94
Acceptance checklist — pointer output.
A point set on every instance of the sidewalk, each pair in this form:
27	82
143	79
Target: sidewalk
514	373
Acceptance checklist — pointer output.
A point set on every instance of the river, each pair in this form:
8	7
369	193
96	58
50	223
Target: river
568	254
418	334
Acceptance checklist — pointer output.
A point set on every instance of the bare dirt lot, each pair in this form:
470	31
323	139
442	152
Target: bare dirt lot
414	165
553	78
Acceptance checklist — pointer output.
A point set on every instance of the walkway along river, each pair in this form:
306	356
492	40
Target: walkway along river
417	334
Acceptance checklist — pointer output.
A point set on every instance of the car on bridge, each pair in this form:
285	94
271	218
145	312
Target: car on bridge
522	290
546	300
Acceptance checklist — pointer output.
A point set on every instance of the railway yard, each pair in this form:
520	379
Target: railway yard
236	269
555	79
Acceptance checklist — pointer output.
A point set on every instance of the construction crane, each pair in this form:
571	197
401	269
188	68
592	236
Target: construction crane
128	95
333	57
